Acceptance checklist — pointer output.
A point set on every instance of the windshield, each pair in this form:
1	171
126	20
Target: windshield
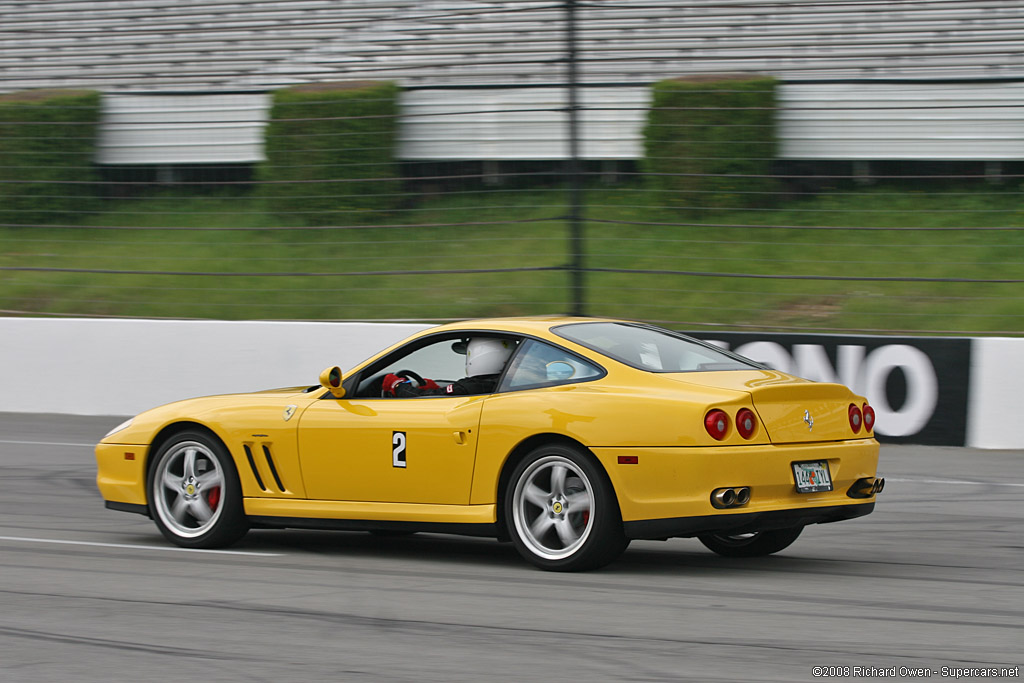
650	348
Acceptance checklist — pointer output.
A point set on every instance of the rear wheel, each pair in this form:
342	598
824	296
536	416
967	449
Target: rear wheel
194	495
561	511
754	544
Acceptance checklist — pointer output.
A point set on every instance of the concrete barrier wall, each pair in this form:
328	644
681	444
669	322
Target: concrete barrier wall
937	391
122	367
994	416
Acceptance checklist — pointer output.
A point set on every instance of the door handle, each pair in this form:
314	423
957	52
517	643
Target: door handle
460	437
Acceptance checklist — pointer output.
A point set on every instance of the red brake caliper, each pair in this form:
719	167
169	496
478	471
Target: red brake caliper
213	497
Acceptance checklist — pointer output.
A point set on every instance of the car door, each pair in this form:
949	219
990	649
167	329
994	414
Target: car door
418	450
364	447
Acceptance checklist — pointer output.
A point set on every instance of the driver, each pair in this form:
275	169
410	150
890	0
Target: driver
485	360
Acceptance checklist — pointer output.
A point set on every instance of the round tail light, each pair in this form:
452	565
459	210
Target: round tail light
717	424
746	423
856	419
869	417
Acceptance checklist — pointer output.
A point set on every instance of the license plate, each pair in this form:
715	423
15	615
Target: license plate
812	477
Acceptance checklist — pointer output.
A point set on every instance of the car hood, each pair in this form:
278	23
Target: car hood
143	427
792	409
286	391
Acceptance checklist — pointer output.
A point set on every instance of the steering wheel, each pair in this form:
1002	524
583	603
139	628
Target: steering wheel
409	374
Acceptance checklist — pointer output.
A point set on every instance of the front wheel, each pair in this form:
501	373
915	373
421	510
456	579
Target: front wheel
753	544
561	511
194	494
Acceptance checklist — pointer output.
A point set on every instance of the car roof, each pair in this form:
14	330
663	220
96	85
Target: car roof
524	325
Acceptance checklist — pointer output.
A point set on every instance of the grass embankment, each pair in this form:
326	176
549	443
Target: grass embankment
477	230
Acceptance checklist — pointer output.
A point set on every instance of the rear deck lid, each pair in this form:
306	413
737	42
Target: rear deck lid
792	410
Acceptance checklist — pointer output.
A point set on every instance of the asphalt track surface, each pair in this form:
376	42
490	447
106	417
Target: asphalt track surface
933	578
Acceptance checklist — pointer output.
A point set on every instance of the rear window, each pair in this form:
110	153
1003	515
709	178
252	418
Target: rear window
651	348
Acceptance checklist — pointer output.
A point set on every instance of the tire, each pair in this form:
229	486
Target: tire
194	494
561	511
754	544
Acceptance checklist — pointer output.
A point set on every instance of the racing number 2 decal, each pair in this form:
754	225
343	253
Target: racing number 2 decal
398	449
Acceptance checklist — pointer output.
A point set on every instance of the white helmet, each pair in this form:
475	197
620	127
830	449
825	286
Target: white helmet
485	356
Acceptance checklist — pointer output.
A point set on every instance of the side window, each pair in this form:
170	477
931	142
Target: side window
444	361
542	365
438	361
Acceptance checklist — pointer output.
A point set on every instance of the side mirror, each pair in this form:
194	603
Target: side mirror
330	379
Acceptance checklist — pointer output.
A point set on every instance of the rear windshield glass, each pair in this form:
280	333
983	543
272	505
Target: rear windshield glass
651	348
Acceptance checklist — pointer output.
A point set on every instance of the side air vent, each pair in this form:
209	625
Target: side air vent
252	465
273	468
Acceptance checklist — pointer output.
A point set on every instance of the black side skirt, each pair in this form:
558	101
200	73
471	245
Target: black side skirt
373	525
743	523
128	507
642	529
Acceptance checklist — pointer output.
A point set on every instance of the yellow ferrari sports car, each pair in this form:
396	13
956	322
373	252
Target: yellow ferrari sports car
568	436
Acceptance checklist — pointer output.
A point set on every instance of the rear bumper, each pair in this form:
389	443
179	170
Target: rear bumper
743	523
657	484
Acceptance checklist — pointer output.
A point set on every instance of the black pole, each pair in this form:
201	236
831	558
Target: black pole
576	240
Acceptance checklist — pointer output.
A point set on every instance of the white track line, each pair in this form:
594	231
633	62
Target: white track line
953	481
135	547
46	443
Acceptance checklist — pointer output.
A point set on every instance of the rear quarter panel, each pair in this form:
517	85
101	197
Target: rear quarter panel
597	415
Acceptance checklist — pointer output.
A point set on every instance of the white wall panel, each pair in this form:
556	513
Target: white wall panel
942	121
839	121
524	124
171	128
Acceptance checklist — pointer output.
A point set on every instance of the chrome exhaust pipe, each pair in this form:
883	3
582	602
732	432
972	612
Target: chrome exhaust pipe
730	497
866	487
742	495
724	498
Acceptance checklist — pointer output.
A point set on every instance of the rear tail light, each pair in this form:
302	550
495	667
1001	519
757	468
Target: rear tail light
869	417
746	423
856	419
717	424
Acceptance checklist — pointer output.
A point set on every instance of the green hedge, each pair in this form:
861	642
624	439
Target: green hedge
47	146
710	138
331	153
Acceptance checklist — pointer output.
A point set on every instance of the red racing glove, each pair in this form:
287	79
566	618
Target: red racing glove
391	382
429	384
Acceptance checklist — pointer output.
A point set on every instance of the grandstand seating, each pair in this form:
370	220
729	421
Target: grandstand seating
435	47
199	44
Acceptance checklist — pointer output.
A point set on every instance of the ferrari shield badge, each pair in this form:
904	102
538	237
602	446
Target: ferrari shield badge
288	412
